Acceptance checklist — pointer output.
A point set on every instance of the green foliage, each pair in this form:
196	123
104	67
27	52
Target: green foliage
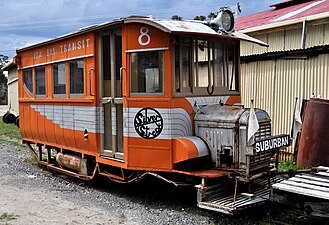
202	18
9	133
5	217
212	15
176	17
3	62
288	165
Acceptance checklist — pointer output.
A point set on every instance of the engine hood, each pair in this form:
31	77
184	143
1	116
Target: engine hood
229	114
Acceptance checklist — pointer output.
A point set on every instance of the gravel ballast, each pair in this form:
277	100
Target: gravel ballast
31	194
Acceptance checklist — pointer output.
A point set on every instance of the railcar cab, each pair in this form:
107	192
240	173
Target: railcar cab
151	93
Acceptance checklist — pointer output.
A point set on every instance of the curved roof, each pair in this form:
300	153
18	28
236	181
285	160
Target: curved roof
190	27
168	26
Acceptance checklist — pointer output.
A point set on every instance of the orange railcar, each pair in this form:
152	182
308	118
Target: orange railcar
140	96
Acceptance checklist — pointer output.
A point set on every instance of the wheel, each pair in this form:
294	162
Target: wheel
4	117
16	122
10	118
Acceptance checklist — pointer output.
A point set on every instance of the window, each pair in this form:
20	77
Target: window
206	67
147	72
59	79
76	77
27	79
40	81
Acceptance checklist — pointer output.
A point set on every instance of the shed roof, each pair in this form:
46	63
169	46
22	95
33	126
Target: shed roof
291	10
9	66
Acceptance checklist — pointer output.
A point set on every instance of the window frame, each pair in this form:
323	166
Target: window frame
76	95
202	91
61	95
35	80
156	94
30	92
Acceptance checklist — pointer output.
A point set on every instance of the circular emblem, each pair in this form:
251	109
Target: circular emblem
148	123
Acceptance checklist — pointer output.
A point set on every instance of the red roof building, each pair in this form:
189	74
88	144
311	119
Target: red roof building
291	10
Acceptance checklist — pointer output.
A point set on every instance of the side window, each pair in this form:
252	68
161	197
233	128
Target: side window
27	79
183	66
76	77
147	70
40	81
59	79
210	66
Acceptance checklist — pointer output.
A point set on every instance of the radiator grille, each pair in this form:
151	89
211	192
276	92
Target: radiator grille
263	132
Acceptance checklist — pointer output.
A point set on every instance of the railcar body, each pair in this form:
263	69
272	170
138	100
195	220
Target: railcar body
140	96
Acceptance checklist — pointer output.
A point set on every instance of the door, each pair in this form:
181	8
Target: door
111	94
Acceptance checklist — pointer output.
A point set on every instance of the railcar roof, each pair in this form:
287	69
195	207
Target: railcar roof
169	26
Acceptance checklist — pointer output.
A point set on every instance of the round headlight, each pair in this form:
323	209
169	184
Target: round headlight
226	20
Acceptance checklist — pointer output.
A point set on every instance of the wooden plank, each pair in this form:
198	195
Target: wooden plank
307	186
313	177
323	174
323	168
302	191
309	181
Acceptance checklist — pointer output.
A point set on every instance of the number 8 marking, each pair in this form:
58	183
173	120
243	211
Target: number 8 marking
143	31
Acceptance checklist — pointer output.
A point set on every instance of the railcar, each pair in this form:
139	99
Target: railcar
142	96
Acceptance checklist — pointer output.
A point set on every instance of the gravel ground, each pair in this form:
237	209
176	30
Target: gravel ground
31	194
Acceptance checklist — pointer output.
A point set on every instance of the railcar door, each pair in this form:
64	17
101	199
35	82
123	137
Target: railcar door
110	63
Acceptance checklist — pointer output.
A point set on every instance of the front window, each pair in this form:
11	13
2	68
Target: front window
27	79
147	72
206	67
76	77
40	81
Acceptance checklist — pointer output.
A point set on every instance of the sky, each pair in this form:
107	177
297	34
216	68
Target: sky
25	22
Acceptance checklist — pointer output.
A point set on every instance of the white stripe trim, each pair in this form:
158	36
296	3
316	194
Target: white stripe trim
57	61
146	50
200	145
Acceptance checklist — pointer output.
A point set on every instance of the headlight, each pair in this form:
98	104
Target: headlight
224	20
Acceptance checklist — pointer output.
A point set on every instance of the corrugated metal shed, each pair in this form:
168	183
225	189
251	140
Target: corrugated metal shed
296	63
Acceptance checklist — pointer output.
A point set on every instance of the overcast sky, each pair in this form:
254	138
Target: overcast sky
24	22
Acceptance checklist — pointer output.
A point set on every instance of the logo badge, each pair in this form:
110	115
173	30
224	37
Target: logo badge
148	123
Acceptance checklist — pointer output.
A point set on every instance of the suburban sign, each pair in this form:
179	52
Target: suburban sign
272	143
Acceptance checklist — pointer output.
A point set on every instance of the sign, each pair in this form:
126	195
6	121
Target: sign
148	123
271	143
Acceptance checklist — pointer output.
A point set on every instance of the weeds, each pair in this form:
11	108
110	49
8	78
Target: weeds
289	165
9	134
122	218
5	217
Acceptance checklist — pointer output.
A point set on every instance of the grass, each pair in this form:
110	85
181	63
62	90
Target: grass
5	217
9	134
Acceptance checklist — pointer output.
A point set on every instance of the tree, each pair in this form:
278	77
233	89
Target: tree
176	17
212	15
202	18
3	62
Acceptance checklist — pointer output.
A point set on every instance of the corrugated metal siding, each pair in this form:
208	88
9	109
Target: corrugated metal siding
286	40
275	41
274	85
315	36
293	39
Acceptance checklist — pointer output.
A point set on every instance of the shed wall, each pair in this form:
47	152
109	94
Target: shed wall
287	39
274	85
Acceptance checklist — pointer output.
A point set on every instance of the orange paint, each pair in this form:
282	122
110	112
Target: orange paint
184	149
44	128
